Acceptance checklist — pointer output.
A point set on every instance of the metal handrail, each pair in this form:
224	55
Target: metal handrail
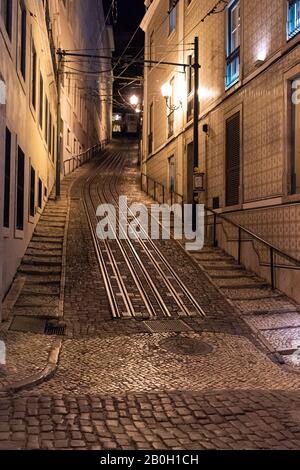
273	249
164	188
83	157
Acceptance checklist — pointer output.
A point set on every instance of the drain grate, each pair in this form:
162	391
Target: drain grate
167	326
55	328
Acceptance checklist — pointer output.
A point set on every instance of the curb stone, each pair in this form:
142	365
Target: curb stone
40	377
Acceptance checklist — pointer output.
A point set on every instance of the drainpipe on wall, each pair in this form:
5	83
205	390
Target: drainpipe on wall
2	162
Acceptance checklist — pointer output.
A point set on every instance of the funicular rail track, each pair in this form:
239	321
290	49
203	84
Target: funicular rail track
138	279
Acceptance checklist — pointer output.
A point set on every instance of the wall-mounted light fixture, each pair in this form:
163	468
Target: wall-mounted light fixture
167	93
258	62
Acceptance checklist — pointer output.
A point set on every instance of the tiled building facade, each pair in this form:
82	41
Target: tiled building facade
250	152
31	31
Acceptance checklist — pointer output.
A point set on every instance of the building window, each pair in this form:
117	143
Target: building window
151	48
23	32
33	75
41	101
6	11
172	15
68	137
233	151
46	119
295	164
7	176
293	26
50	134
233	44
40	194
53	143
20	190
32	192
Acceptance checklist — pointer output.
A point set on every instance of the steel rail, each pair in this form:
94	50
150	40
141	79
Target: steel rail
131	268
175	276
160	300
101	261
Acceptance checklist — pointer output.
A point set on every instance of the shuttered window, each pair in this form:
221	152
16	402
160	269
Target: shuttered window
233	141
20	190
6	215
32	192
40	196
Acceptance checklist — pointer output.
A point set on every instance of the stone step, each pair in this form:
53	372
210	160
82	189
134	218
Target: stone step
273	321
43	280
42	260
51	233
262	312
214	258
41	289
44	246
256	293
61	215
221	265
223	268
230	275
241	283
39	253
37	238
266	305
53	216
41	312
37	301
47	225
39	270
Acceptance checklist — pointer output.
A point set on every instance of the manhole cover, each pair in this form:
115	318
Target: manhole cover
186	346
167	326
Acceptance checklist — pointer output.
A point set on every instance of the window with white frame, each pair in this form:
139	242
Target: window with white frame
233	43
293	26
172	15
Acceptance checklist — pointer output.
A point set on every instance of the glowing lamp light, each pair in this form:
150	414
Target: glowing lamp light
134	101
166	90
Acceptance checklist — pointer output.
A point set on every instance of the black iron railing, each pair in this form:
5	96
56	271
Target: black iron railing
273	250
75	162
159	192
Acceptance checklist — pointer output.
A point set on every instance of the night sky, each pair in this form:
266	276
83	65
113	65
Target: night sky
128	16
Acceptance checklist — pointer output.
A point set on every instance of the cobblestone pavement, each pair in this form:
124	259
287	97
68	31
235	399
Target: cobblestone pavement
119	386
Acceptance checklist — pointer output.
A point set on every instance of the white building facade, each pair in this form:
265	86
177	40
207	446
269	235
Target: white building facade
31	31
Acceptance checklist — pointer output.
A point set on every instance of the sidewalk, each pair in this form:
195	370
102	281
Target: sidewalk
35	297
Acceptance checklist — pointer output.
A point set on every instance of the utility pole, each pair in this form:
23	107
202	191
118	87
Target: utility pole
196	67
58	126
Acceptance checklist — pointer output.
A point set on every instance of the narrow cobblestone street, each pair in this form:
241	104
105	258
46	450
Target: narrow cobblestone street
198	381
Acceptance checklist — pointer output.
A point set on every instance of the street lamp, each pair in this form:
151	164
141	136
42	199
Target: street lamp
167	93
166	90
134	101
